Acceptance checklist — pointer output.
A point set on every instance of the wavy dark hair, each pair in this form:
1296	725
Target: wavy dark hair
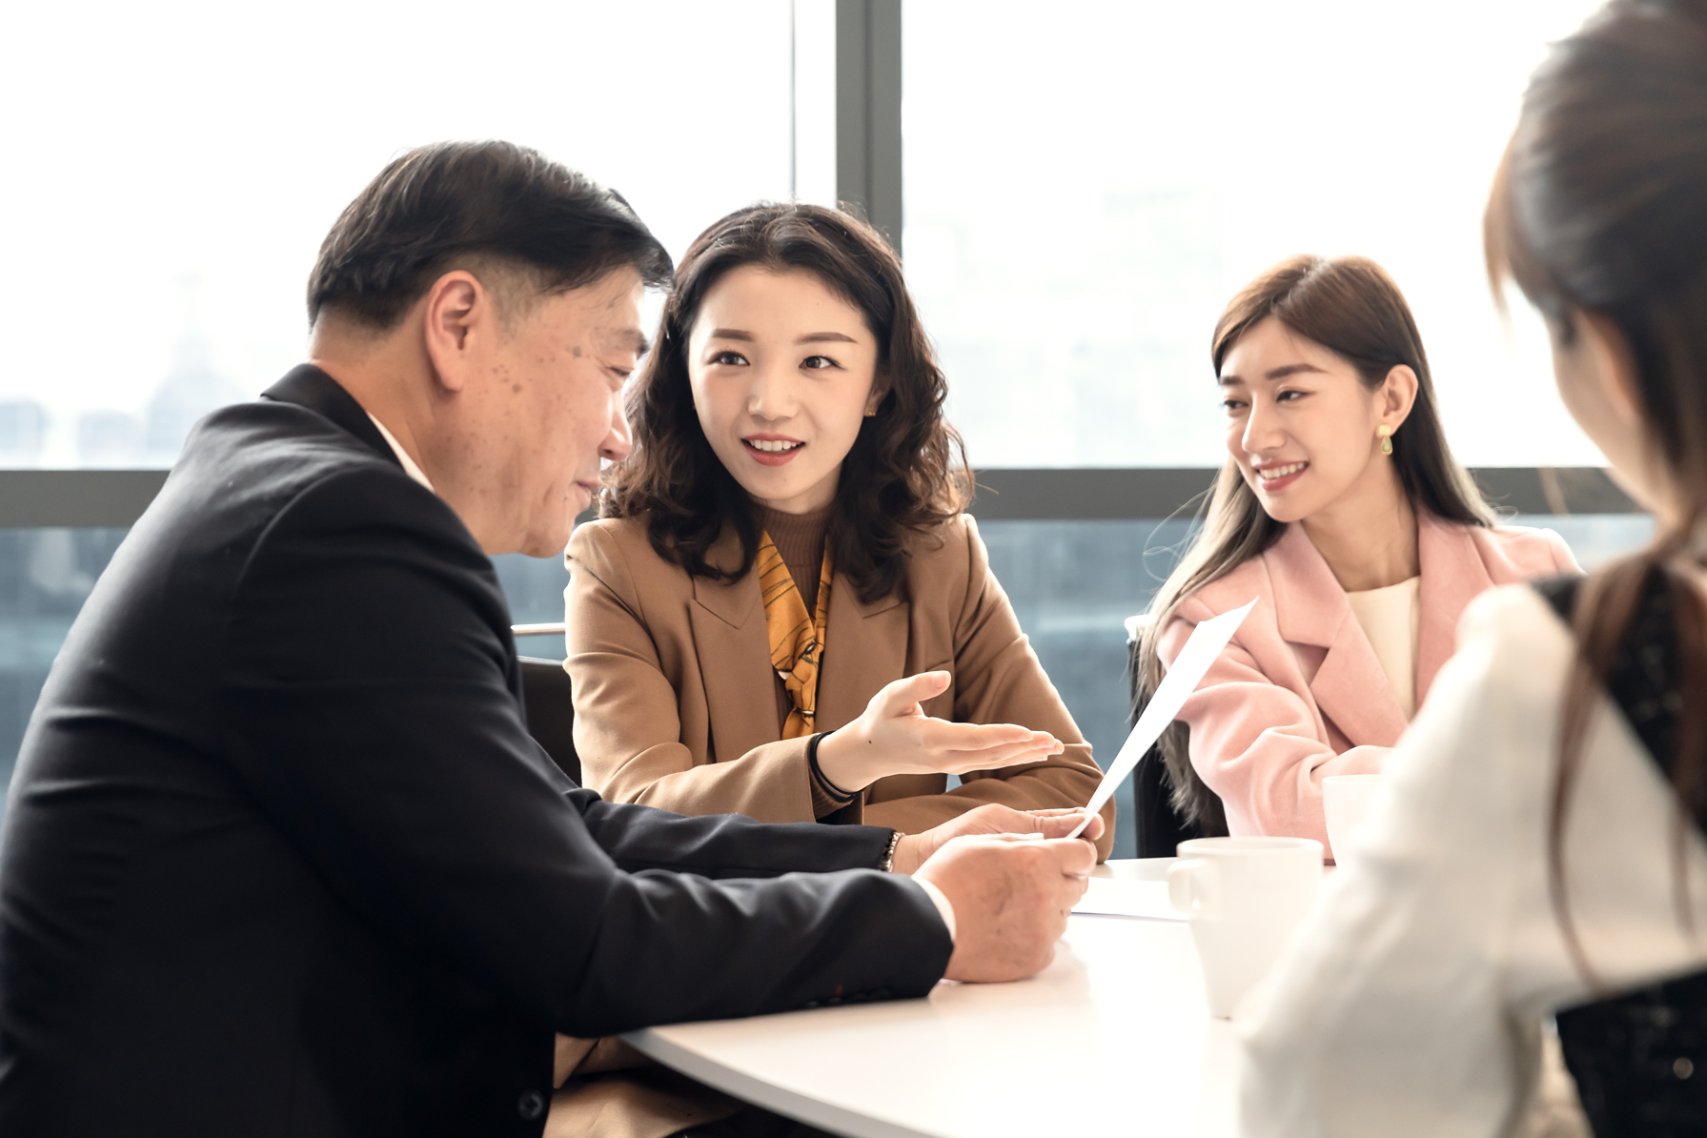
902	476
1600	208
1352	307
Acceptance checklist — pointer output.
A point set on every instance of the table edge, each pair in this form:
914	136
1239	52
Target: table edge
654	1044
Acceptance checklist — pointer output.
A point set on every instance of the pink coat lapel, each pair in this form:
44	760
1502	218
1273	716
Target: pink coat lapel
1310	608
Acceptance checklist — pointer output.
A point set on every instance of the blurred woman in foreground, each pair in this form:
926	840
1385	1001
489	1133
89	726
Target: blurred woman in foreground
1539	848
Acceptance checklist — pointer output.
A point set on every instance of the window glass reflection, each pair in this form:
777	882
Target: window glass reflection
175	172
1072	583
1085	190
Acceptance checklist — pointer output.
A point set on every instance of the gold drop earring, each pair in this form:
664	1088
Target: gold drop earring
1385	434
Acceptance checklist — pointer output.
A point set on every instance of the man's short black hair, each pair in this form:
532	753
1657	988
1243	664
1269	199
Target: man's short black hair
476	203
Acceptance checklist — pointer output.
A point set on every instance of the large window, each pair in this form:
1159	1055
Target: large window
1087	185
173	167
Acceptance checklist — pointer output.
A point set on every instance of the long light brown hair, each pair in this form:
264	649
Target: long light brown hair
907	470
1600	207
1350	306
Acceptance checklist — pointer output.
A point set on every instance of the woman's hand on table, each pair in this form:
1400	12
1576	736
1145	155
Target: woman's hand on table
992	818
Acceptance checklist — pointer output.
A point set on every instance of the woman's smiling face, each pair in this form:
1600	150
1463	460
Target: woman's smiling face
783	372
1301	423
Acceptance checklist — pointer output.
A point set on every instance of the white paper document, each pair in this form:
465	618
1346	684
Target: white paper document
1145	900
1206	642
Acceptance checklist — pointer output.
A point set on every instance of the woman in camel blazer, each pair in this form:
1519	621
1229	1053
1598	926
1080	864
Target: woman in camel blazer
1342	513
793	403
672	708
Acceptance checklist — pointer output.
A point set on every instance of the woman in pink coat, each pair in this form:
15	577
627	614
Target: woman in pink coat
1342	512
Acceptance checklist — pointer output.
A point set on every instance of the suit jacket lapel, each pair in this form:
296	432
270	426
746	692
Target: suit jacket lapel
307	386
865	647
733	648
1452	576
1350	687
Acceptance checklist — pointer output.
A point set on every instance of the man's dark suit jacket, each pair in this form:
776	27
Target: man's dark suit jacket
282	860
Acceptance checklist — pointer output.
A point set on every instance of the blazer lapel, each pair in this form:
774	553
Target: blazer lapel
1452	576
865	647
307	386
733	648
1350	687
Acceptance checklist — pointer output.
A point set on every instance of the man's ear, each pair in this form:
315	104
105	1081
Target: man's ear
458	321
1398	395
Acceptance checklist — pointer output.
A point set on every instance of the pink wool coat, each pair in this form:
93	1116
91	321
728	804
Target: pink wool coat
1299	694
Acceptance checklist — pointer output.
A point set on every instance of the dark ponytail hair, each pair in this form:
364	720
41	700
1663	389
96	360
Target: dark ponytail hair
1599	209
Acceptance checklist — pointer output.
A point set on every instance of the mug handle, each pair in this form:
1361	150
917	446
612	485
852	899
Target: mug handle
1192	887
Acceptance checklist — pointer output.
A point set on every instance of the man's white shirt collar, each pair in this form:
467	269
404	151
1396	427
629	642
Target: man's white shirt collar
409	466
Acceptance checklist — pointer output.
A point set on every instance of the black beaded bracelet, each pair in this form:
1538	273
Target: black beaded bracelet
830	788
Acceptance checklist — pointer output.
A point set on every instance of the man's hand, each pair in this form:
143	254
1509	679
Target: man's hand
1011	897
992	818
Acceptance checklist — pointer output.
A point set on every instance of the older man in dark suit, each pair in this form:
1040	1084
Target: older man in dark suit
281	858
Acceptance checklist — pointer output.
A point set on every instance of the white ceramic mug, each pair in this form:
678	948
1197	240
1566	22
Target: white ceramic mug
1345	804
1243	897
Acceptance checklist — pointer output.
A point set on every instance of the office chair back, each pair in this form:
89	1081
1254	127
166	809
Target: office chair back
550	713
1161	824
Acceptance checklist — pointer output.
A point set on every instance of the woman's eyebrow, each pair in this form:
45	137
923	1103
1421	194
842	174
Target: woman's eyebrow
1275	375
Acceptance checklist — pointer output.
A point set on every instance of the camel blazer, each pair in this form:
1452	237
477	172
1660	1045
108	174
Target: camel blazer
1299	694
675	697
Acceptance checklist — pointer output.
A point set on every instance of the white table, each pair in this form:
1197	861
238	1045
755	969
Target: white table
1113	1038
